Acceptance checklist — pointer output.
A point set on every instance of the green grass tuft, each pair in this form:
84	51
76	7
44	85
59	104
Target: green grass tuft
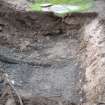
84	5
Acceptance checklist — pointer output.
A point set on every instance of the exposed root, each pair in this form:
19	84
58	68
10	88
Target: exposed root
11	91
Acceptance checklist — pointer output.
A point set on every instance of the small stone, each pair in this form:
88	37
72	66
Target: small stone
1	29
81	100
13	82
10	102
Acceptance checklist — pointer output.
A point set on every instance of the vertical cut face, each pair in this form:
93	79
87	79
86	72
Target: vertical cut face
46	64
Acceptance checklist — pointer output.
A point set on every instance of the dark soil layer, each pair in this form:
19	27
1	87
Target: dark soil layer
42	55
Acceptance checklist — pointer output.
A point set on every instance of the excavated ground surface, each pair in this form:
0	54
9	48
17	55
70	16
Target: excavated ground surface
46	57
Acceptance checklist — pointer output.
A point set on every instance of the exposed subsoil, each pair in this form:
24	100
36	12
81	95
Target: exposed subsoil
44	56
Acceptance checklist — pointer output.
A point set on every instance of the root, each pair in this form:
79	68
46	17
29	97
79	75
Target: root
9	89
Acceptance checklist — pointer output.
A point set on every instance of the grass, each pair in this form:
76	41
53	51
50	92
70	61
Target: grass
83	4
64	1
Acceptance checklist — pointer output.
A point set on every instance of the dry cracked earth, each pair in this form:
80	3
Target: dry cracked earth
51	60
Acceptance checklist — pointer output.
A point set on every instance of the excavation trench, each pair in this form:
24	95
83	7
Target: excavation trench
47	57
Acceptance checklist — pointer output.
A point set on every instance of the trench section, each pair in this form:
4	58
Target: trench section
42	53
